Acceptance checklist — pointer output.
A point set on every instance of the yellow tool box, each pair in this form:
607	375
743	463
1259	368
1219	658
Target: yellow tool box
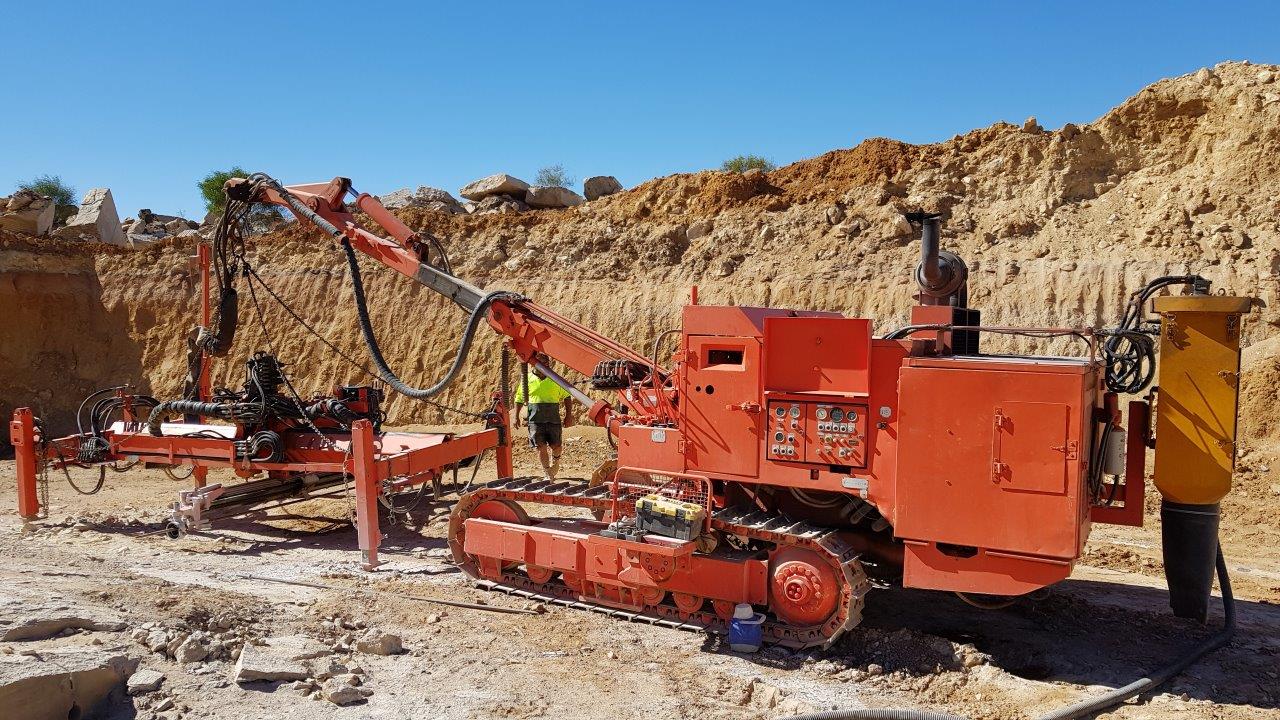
668	517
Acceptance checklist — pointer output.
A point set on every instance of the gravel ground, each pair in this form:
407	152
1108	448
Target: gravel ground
98	560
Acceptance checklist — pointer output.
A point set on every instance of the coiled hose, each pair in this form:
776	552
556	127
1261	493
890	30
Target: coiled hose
375	353
1084	707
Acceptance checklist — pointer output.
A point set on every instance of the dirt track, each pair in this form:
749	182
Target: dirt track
1102	628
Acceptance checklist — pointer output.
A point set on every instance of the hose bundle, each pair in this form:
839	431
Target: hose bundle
1130	349
259	401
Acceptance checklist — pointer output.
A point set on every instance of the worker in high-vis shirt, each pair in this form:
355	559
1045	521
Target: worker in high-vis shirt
547	411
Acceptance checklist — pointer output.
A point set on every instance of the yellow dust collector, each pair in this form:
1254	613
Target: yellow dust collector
1195	436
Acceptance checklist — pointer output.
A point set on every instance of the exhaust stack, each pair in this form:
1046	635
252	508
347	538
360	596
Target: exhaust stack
942	276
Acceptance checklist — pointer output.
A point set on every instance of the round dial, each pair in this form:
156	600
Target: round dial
821	413
795	411
837	414
778	437
779	411
851	417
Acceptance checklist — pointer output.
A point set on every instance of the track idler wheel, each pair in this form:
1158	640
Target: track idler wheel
499	509
539	575
803	587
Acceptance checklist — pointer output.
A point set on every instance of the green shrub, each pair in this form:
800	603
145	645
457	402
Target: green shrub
211	187
743	163
51	186
214	199
553	176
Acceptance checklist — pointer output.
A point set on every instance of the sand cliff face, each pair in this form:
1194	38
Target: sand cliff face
1058	227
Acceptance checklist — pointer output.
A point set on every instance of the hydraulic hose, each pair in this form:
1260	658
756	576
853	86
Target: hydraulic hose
375	353
222	410
1085	707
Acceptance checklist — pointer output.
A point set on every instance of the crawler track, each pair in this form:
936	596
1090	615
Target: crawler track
768	528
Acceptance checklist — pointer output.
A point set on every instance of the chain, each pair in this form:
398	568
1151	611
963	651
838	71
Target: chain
44	486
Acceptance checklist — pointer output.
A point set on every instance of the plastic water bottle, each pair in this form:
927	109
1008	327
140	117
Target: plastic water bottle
745	633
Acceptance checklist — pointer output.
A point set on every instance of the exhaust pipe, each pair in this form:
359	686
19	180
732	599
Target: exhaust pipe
942	276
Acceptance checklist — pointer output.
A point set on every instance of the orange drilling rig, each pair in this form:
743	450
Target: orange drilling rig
786	459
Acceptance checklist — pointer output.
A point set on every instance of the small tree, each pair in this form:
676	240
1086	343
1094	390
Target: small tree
51	186
214	199
553	176
211	187
743	163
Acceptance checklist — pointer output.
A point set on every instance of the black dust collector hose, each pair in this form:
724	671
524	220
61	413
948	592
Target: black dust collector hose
362	309
375	353
876	714
1085	707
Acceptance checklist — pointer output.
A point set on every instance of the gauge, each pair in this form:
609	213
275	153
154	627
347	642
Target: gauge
852	416
778	437
779	411
837	414
821	413
795	411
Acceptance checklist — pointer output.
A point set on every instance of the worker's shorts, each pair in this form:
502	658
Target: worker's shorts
544	433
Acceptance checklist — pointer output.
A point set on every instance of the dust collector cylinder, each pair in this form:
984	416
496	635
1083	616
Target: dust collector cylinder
1195	437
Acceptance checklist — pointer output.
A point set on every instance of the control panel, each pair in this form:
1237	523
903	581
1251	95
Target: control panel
840	435
786	440
817	432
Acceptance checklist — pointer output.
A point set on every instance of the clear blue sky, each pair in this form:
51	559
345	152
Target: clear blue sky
145	97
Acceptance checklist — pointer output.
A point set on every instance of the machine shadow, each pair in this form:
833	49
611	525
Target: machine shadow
1069	636
261	532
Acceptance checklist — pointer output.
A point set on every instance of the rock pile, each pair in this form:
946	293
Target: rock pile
504	193
149	227
26	212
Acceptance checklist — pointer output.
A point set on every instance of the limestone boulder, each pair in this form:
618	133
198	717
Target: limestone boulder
599	186
60	683
297	647
376	642
552	197
96	220
424	197
144	681
26	212
259	663
500	184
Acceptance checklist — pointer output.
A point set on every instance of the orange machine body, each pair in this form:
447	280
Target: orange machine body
978	462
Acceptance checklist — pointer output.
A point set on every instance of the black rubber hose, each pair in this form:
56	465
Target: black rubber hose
184	407
1085	707
375	353
1161	676
876	714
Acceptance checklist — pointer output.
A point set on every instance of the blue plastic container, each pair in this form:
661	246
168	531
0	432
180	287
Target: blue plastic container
745	633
